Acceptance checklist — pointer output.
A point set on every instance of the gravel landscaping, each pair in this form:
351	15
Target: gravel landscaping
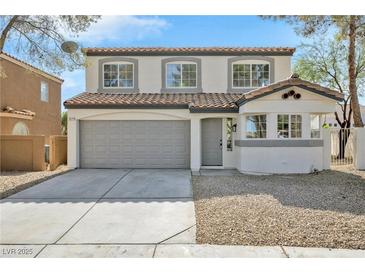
12	182
323	210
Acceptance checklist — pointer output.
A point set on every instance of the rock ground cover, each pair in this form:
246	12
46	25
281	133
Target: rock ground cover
12	182
323	210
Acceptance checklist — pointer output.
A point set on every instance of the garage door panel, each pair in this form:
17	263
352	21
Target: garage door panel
135	144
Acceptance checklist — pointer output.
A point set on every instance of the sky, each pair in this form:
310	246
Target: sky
174	31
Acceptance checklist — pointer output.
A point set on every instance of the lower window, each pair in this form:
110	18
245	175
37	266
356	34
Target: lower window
20	129
289	126
256	126
315	126
229	133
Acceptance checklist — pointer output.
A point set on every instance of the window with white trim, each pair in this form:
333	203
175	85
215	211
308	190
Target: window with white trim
44	91
118	75
229	133
250	75
256	126
20	129
181	75
289	126
315	126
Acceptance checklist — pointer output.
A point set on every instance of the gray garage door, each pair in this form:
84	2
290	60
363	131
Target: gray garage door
135	144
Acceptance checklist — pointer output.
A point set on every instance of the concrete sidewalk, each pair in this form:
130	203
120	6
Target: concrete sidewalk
171	251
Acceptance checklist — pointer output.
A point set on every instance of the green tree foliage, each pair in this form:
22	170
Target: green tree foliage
64	122
325	62
349	29
38	38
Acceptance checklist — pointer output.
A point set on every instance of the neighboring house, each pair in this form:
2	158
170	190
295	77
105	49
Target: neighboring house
197	108
333	123
30	99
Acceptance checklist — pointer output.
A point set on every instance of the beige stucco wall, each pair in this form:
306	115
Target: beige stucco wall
20	89
214	72
22	152
57	151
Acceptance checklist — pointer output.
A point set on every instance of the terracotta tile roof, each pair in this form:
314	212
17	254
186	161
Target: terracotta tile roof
195	102
293	80
190	51
35	69
24	112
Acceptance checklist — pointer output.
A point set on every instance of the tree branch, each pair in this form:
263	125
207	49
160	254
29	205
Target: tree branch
338	119
44	30
6	30
31	41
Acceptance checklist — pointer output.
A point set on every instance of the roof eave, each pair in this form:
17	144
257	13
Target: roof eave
189	53
338	97
123	106
154	106
34	69
214	110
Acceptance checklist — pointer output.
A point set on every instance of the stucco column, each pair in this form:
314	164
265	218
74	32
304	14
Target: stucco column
326	135
359	148
241	134
271	121
195	144
72	141
306	126
241	127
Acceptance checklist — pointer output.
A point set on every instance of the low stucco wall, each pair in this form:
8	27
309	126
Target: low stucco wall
281	159
57	151
22	152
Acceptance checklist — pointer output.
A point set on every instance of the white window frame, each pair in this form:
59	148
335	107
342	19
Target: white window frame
182	63
289	127
256	114
20	126
249	63
319	125
226	132
44	83
118	63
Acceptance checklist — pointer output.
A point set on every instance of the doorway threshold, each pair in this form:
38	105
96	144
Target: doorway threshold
211	167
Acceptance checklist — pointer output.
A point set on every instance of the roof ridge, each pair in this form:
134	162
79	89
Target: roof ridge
195	47
214	50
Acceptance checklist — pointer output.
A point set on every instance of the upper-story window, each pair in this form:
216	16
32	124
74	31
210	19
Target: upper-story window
118	75
181	75
44	91
249	72
250	75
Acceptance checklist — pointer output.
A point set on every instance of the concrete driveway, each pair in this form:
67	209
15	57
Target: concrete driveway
99	213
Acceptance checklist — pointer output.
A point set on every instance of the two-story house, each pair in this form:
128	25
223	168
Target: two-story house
30	99
212	107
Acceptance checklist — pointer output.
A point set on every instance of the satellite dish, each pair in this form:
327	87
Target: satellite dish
69	46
